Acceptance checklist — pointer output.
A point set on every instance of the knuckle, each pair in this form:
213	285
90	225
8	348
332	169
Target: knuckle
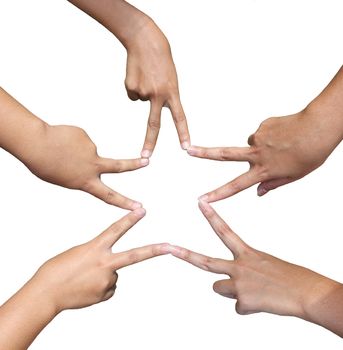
154	124
207	263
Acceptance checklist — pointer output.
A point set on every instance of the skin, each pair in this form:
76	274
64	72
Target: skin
284	149
79	277
263	283
60	154
150	70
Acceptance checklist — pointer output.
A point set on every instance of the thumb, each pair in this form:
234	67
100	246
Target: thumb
266	186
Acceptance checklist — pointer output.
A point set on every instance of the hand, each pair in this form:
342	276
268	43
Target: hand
259	282
151	75
67	157
86	274
281	151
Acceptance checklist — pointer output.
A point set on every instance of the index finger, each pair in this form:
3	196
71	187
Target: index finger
153	128
137	255
204	262
119	228
221	153
180	122
222	229
239	184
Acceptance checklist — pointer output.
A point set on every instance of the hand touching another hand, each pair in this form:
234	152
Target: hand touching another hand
79	277
263	283
284	149
151	75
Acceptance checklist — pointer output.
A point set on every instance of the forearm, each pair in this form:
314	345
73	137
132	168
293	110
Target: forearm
118	16
24	316
326	310
20	130
327	108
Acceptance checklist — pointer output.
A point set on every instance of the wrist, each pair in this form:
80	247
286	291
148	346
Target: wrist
316	297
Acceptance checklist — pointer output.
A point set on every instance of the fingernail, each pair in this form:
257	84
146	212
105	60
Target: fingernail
261	191
205	206
185	145
136	205
144	161
165	248
191	151
140	212
203	198
146	153
175	250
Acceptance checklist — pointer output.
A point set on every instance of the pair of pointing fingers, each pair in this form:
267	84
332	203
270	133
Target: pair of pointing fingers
232	241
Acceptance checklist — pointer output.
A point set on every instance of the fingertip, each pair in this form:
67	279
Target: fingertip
146	153
136	205
203	198
139	212
205	207
185	145
175	250
261	191
144	162
192	151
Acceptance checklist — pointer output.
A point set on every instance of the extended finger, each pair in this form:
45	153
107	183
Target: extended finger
180	121
221	153
98	189
137	255
222	229
266	186
226	288
239	184
108	165
119	228
153	128
204	262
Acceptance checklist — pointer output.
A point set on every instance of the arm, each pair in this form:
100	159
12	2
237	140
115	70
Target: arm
284	149
150	72
62	155
79	277
262	283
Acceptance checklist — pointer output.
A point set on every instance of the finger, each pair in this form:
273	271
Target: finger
108	165
266	186
119	228
204	262
222	229
132	95
101	191
225	288
137	255
239	184
221	153
153	128
180	122
251	140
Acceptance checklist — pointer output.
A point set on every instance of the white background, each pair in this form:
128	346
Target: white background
239	62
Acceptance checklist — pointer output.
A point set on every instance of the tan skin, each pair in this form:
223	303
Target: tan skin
263	283
150	70
284	149
79	277
60	154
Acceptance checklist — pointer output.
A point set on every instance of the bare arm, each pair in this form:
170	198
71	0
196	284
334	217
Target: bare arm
150	72
263	283
62	155
284	149
79	277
